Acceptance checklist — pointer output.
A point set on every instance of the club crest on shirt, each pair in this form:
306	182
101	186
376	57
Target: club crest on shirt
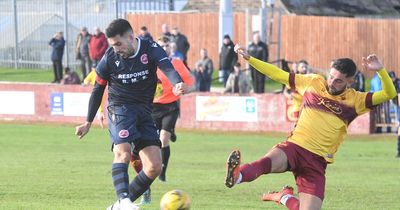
144	59
123	133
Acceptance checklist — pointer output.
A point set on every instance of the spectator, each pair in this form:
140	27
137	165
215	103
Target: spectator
165	31
57	43
145	34
97	46
303	67
207	69
82	51
227	59
200	82
181	43
238	81
359	82
259	50
375	84
70	77
381	112
396	82
175	54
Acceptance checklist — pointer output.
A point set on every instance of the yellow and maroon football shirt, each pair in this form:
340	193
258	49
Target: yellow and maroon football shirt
324	118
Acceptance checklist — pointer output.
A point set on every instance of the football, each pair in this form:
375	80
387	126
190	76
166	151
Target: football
175	200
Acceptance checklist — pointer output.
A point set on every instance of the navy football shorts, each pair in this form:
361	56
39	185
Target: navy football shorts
132	124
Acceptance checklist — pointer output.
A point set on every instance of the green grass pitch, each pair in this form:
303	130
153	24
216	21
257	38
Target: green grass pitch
47	167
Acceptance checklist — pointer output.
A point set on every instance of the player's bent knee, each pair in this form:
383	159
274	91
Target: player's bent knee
153	170
122	156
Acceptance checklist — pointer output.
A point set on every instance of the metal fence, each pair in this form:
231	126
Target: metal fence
26	26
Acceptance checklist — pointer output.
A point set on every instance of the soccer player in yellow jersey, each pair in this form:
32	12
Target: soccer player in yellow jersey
293	98
329	106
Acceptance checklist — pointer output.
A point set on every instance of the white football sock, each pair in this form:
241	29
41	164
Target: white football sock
239	179
285	198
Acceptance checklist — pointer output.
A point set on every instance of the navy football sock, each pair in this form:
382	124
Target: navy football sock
120	179
139	185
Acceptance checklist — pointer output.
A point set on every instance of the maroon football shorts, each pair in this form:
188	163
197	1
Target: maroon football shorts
308	169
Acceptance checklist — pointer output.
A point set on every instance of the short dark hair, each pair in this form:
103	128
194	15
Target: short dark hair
164	39
143	28
345	66
118	27
67	69
303	61
392	74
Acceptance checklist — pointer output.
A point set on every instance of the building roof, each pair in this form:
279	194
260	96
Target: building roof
343	8
346	8
213	5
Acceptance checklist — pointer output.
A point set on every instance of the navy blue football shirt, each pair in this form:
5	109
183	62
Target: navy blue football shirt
133	80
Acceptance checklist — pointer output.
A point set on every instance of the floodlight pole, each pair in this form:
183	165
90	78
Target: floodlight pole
66	37
171	5
263	14
225	20
16	51
116	9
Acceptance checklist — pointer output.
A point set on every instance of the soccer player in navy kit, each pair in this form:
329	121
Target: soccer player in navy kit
129	69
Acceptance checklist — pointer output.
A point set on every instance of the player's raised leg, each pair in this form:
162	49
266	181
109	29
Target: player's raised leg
284	197
138	166
151	160
275	161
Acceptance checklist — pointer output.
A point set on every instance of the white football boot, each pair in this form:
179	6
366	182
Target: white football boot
114	206
124	204
127	204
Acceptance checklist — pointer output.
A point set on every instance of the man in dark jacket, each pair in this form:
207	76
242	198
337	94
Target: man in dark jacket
205	69
181	42
227	59
259	50
57	43
165	31
359	82
82	48
145	34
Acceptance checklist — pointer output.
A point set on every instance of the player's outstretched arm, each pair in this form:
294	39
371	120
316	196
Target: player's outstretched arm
372	63
94	103
269	70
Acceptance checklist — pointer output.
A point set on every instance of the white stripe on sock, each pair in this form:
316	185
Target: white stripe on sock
285	198
239	179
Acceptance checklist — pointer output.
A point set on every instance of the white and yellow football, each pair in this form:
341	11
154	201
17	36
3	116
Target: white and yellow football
175	200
